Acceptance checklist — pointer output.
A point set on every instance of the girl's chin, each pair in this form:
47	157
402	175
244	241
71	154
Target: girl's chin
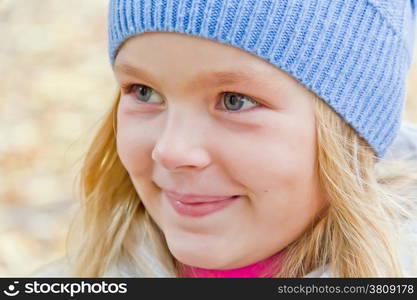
205	248
206	259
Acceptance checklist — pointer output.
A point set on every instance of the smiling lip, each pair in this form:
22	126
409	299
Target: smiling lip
188	205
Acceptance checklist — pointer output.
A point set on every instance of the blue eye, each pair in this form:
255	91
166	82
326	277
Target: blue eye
231	102
234	101
142	93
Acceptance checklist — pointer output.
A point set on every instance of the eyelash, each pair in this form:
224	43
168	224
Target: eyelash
128	89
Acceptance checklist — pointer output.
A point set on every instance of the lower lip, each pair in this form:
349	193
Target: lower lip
199	209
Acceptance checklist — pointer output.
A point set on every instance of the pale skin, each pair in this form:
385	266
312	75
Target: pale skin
187	136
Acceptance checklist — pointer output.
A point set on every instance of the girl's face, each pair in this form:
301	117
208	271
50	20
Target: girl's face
200	117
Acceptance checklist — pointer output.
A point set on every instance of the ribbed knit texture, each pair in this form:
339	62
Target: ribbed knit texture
353	54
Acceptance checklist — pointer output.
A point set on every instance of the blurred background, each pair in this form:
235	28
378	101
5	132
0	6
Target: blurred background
55	85
56	82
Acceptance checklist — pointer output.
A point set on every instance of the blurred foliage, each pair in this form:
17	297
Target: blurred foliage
56	83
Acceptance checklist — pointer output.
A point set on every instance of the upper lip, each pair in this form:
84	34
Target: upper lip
194	198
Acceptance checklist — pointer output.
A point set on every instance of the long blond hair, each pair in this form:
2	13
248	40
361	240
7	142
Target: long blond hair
356	235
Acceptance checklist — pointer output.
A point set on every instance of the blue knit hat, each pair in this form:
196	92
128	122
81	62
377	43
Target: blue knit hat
353	54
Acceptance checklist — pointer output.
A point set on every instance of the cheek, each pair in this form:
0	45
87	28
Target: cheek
274	158
278	167
134	147
295	195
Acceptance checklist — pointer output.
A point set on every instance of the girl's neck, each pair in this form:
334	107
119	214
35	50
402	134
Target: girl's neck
263	268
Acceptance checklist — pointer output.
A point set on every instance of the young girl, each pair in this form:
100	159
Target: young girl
250	139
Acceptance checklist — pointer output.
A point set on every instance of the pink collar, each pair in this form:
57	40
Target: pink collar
264	268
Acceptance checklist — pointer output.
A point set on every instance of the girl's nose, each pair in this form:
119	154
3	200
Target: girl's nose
182	144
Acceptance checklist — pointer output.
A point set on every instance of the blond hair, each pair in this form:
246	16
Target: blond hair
356	235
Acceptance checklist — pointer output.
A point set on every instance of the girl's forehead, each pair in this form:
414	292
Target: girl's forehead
212	61
173	47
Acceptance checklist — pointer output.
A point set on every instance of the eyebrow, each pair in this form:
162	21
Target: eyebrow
217	78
